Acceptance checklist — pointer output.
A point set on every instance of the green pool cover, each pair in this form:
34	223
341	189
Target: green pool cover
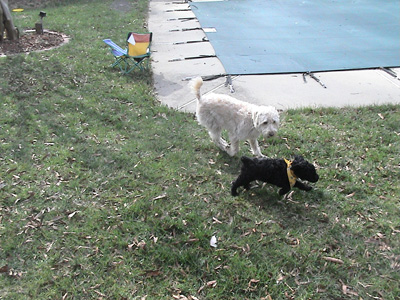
295	36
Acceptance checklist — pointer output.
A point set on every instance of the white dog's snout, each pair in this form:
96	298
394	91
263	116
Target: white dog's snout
269	133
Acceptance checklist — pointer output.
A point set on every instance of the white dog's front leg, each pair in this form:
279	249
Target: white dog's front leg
218	140
234	148
255	148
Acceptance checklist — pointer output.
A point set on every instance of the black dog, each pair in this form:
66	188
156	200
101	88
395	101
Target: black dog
277	172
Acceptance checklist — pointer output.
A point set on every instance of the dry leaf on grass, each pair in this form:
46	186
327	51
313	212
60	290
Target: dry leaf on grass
215	220
280	278
209	284
159	197
4	269
152	273
346	290
71	215
137	245
252	285
10	272
332	259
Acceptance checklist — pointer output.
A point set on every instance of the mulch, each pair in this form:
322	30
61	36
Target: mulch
30	41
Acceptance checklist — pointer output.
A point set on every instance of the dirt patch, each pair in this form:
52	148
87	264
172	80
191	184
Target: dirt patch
31	3
30	42
121	5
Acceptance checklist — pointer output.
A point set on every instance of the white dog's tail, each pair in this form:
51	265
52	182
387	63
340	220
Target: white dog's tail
195	86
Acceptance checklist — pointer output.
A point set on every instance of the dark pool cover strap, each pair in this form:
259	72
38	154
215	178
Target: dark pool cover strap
295	36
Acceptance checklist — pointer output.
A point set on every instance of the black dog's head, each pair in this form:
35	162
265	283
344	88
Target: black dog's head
304	170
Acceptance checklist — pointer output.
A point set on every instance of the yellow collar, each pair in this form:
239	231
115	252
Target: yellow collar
290	174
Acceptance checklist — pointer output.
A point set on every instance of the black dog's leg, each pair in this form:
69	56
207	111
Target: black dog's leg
240	181
284	190
234	188
303	186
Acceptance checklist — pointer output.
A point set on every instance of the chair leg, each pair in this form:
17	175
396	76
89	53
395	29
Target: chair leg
127	65
130	69
119	62
135	65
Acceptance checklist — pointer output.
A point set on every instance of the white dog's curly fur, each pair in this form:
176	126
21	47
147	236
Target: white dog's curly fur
242	120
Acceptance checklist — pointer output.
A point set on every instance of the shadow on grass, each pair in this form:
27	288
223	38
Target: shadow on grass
301	205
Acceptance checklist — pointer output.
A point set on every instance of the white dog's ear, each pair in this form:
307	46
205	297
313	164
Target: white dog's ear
281	114
255	116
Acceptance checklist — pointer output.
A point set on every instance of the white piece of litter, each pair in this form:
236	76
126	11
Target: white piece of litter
213	241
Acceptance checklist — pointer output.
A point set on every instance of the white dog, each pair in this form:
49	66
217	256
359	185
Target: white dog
242	120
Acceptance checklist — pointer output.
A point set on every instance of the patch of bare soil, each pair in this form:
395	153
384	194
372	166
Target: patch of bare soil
121	5
30	3
30	42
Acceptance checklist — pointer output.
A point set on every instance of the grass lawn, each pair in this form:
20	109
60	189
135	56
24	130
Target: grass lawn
106	194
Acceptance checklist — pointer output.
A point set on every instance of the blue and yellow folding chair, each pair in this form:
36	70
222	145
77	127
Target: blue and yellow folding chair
136	55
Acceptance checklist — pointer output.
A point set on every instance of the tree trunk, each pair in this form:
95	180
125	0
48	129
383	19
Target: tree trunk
6	22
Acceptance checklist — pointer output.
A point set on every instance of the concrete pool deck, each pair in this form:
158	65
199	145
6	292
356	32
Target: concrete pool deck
177	38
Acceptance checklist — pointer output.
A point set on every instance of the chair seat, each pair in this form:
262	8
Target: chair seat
135	55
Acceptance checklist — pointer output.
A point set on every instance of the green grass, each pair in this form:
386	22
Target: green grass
106	194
